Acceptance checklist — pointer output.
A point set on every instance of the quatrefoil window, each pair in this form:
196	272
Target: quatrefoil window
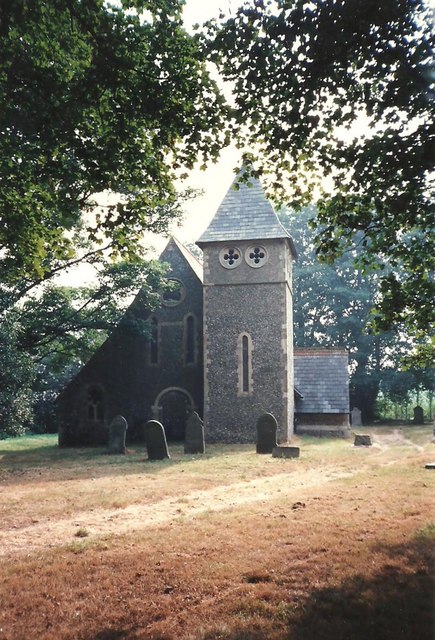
256	256
230	257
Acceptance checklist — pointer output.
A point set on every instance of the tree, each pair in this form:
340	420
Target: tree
306	75
17	373
333	306
96	97
47	338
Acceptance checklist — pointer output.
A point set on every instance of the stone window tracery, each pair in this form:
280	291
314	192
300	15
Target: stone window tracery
256	256
230	257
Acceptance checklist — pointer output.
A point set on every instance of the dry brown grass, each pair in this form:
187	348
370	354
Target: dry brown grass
335	545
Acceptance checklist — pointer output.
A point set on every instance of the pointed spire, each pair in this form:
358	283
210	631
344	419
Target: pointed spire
244	214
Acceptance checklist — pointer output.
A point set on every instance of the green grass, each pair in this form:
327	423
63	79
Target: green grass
40	450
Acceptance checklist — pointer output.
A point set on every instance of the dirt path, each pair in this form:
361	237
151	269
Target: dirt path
106	522
99	523
385	441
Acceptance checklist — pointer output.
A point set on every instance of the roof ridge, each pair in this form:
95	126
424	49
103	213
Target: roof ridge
192	260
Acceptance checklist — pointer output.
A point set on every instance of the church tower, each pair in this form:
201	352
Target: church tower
248	323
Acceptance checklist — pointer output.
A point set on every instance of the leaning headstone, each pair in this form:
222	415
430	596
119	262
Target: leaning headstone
284	451
418	415
194	438
117	430
155	440
355	417
267	427
362	440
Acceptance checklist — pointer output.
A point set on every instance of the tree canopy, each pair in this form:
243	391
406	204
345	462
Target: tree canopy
47	338
333	305
334	101
96	97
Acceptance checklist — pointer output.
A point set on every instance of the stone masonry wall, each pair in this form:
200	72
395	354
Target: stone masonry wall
121	368
256	302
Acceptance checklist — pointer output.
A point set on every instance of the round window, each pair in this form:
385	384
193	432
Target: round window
173	293
230	257
256	256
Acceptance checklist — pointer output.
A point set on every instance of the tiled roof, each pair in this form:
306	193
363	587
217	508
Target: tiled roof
245	214
322	377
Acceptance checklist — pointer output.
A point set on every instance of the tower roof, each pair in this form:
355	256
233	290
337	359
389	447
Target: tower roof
245	214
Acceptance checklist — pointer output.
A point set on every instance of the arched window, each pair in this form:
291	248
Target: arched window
189	339
245	364
244	358
154	342
95	403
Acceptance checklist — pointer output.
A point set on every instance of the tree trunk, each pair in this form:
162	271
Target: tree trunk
363	396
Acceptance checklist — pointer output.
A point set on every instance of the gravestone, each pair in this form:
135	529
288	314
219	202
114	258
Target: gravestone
363	440
355	417
155	441
285	451
117	431
267	427
418	415
194	438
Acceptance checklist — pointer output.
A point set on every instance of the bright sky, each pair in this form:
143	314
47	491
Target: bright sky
217	178
215	181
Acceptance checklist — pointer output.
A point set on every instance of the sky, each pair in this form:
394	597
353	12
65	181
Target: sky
215	181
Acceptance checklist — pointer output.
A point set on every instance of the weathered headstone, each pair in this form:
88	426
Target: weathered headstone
155	440
418	415
267	427
285	451
355	417
194	438
362	440
117	431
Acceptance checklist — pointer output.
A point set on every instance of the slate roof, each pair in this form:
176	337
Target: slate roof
245	214
321	376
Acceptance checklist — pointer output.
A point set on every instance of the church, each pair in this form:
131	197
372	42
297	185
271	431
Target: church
220	344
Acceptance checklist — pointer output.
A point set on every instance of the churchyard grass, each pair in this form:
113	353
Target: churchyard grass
231	545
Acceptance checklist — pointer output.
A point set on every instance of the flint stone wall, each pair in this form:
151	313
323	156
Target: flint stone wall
264	311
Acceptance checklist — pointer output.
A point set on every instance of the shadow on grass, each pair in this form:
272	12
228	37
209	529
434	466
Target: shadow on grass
20	458
393	606
396	604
